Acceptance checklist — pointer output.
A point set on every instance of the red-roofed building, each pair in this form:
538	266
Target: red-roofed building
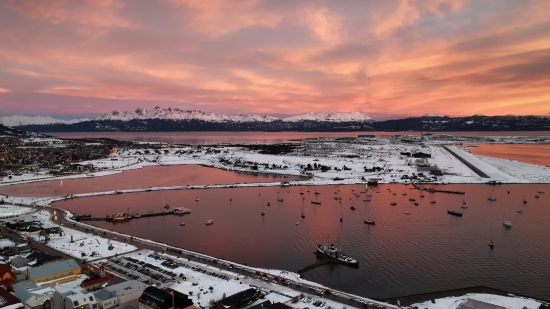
95	283
8	300
7	277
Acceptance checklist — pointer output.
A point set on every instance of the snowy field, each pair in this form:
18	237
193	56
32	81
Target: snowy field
7	211
93	246
504	301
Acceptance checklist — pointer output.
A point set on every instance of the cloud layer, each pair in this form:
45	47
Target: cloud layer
386	58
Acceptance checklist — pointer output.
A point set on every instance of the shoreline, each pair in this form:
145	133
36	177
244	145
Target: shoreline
423	297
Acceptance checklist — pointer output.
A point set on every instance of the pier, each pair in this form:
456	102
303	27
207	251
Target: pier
432	190
128	218
324	261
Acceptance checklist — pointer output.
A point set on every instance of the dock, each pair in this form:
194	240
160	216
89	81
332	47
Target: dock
432	190
324	261
130	217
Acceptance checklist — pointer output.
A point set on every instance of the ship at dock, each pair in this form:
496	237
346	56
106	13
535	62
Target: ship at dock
181	211
335	253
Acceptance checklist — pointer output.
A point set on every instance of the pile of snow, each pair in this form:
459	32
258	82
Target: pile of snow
331	117
19	120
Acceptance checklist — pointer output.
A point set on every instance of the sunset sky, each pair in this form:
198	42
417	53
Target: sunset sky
387	58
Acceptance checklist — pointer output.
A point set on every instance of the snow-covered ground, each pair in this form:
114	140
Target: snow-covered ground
93	246
198	282
7	211
510	302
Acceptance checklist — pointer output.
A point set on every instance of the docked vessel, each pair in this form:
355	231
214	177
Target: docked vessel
181	211
335	253
372	182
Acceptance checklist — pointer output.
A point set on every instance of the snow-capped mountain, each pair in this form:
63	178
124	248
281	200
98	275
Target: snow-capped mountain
433	115
180	114
18	120
332	117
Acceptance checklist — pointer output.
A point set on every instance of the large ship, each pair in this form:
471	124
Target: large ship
335	253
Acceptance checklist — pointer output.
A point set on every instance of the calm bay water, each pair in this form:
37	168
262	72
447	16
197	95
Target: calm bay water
150	176
529	153
201	138
425	251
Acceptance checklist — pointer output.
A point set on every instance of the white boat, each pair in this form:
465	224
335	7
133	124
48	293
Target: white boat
209	222
407	213
520	211
506	223
181	211
197	199
492	199
297	223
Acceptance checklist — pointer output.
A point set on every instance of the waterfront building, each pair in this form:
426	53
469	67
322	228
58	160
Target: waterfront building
155	298
55	273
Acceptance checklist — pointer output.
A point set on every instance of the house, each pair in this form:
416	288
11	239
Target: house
95	283
9	301
7	277
58	272
155	298
19	261
128	290
32	295
23	248
106	299
73	300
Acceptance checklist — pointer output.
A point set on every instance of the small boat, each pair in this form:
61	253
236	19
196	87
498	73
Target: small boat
259	194
209	222
167	206
524	201
301	193
492	199
370	222
263	213
394	193
432	201
268	204
393	203
520	211
541	192
182	224
352	208
412	200
415	203
136	216
407	213
454	213
279	200
491	244
197	199
463	206
317	193
369	195
341	219
315	202
463	202
505	222
303	216
536	196
297	223
421	195
404	193
367	200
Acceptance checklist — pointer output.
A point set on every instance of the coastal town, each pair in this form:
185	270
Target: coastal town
52	259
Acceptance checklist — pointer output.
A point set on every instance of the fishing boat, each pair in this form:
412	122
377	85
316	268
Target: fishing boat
463	206
279	199
393	203
208	222
432	201
335	253
297	223
370	222
541	192
412	199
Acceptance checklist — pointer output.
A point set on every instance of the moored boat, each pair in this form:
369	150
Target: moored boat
335	253
454	213
370	222
209	222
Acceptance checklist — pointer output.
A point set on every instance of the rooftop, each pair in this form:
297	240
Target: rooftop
53	268
127	287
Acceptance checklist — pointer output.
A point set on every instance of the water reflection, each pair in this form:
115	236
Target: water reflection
528	153
151	176
425	251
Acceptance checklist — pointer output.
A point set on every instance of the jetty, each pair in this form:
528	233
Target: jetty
432	190
127	218
324	261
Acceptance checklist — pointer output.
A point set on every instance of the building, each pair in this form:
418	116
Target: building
155	298
106	299
58	272
7	277
128	290
43	258
19	261
73	300
95	283
9	301
476	304
237	300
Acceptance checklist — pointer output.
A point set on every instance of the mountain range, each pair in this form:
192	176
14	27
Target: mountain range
175	119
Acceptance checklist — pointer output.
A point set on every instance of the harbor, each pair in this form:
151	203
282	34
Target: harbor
121	217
